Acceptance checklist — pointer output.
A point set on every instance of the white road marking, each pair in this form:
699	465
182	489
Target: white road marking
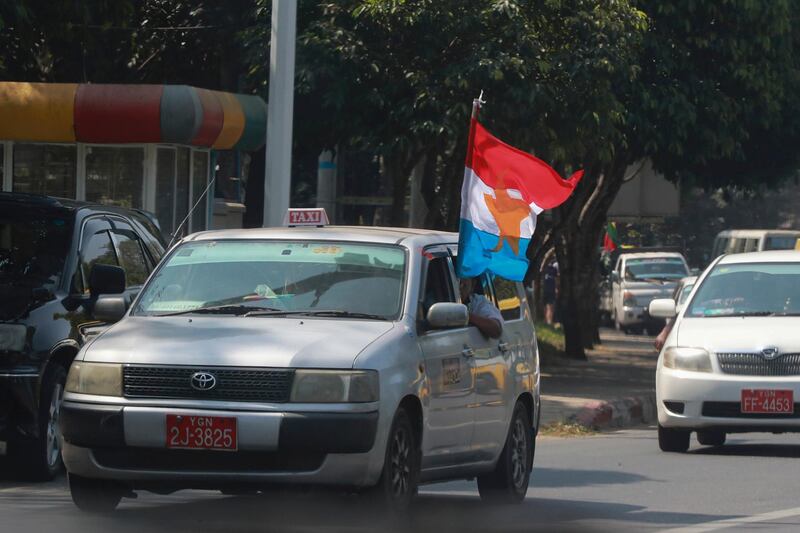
733	522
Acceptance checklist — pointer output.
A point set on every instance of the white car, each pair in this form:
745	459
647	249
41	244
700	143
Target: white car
731	363
337	356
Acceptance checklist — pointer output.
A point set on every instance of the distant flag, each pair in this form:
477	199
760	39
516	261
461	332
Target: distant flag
504	190
611	240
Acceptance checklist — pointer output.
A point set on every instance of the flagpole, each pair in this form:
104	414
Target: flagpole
476	106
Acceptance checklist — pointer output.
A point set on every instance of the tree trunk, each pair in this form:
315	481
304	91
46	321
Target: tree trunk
576	235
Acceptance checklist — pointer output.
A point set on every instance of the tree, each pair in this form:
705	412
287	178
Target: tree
713	104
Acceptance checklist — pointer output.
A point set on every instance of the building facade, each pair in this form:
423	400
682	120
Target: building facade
151	147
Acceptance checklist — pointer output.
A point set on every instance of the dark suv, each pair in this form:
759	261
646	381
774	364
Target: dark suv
57	257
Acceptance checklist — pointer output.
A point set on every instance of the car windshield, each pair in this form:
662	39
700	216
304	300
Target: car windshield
750	289
661	268
33	247
256	278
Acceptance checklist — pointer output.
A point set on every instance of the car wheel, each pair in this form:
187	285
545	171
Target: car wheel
673	440
41	458
94	495
508	483
710	437
399	479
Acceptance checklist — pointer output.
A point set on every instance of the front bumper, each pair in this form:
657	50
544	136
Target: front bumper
712	400
129	443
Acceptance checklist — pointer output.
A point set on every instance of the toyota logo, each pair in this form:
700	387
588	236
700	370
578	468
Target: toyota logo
770	353
203	381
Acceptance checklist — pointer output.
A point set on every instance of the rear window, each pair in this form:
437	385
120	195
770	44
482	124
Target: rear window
33	246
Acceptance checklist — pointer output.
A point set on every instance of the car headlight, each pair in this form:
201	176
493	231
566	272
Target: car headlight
628	299
103	379
693	359
334	386
12	337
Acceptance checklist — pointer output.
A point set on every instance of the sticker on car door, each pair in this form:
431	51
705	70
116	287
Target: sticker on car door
451	370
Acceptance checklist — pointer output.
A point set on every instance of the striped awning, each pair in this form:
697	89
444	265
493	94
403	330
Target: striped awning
112	114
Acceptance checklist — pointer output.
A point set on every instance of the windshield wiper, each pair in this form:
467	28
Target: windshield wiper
741	314
222	310
310	312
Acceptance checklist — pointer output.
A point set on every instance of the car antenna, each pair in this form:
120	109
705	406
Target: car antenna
180	226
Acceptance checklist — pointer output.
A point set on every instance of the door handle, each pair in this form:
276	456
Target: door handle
503	347
468	352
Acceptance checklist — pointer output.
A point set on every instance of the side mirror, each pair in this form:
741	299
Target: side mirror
445	315
106	279
110	308
663	308
614	276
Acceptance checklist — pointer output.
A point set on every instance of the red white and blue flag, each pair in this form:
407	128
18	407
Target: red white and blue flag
504	190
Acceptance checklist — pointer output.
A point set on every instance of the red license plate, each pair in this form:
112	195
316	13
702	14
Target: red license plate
777	402
201	432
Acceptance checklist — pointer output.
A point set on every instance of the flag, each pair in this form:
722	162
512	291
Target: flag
504	190
611	240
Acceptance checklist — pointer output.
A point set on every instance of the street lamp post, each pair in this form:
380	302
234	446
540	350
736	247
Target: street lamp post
278	178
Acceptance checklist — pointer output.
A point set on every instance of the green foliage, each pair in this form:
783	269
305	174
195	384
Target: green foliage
719	91
127	41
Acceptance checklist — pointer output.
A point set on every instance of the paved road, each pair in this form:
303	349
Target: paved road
610	482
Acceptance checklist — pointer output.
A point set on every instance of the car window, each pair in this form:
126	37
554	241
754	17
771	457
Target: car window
151	236
131	257
721	246
751	245
438	284
780	242
507	297
685	292
96	249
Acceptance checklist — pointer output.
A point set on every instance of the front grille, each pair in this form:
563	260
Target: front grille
734	410
754	364
233	384
207	461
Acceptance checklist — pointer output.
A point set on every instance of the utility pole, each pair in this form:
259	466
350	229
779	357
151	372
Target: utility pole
278	177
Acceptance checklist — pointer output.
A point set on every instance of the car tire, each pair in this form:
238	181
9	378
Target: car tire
508	483
399	479
711	437
40	458
673	440
94	495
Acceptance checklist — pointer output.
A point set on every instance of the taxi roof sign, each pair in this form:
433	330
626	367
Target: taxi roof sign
312	216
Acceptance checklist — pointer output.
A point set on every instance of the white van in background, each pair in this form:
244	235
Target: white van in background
736	241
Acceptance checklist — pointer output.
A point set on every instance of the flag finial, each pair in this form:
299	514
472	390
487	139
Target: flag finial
476	104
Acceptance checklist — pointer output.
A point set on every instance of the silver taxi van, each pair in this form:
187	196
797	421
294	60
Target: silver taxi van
337	356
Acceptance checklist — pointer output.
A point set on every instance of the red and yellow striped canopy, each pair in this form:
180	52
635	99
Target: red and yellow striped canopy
111	114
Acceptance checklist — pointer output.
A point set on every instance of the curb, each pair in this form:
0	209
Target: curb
624	412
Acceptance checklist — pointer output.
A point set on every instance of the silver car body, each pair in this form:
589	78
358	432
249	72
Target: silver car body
632	311
464	419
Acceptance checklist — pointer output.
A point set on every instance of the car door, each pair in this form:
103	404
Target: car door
494	391
449	366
